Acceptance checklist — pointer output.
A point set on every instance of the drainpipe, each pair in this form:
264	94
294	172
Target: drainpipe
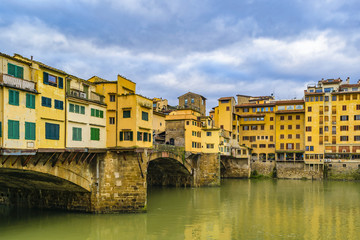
65	109
117	113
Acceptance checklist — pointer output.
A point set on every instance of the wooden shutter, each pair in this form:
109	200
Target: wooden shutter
45	78
20	72
131	136
121	136
61	82
11	69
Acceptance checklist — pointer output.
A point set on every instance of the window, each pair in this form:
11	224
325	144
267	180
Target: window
282	127
192	100
30	131
112	98
186	101
356	138
344	107
52	131
246	110
289	117
356	127
282	117
308	129
126	136
289	127
271	138
309	139
281	146
297	126
111	120
15	71
297	136
97	113
271	127
126	114
333	98
30	101
309	109
46	102
297	117
227	108
209	145
282	136
13	129
356	117
208	134
95	134
289	136
271	118
59	104
344	118
145	116
52	80
13	97
77	132
344	128
309	119
344	138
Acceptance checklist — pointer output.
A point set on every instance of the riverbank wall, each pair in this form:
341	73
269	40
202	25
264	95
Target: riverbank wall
342	171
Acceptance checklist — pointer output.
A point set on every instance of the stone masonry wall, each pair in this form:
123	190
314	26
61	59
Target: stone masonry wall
263	168
121	183
235	168
207	170
343	170
298	170
45	199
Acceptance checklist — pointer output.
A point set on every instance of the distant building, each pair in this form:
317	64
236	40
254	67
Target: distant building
193	101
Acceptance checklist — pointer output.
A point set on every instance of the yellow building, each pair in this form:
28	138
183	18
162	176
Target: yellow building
210	135
289	122
50	112
18	109
129	114
183	129
332	121
86	115
257	127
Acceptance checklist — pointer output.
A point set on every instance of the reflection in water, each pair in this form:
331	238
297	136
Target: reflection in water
240	209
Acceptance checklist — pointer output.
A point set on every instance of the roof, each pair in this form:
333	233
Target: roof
242	95
290	111
350	85
98	80
226	98
81	80
15	59
330	81
192	94
256	105
43	65
294	101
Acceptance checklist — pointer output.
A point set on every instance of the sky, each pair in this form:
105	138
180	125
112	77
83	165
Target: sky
210	47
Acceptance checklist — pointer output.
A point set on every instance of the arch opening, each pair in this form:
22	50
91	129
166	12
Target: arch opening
168	172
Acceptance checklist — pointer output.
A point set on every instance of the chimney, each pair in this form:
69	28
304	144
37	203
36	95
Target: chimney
348	80
31	58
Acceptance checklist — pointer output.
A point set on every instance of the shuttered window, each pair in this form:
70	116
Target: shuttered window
30	101
61	82
97	113
59	104
126	136
95	134
15	71
46	102
77	134
127	114
13	97
13	129
145	116
30	132
71	107
52	131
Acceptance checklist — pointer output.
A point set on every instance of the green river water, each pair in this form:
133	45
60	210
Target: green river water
239	209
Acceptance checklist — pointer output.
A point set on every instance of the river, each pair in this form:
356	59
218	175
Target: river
239	209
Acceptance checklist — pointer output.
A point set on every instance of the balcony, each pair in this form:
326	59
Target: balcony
11	81
83	95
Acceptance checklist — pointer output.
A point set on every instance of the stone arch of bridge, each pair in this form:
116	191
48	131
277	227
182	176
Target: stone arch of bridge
50	171
166	168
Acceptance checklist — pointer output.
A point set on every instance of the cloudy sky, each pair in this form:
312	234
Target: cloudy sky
211	47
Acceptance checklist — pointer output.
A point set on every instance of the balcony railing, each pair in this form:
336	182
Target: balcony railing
79	94
17	82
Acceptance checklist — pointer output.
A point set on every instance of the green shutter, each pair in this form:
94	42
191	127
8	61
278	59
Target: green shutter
145	137
93	112
97	113
13	129
82	110
95	134
11	69
30	131
126	114
71	107
45	78
131	136
77	108
61	82
77	134
121	136
19	72
13	97
101	114
149	137
30	101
